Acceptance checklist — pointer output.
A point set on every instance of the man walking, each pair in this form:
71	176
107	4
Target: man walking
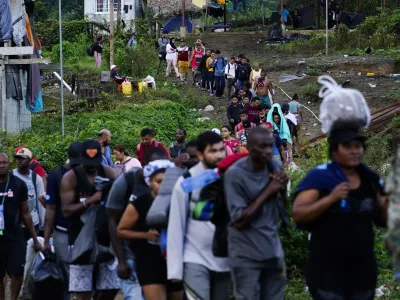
35	187
251	186
146	144
204	70
78	194
230	73
55	223
190	257
14	208
183	60
163	41
219	64
104	138
262	86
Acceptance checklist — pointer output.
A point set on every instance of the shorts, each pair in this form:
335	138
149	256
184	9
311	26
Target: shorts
158	274
162	56
183	66
86	278
12	257
265	100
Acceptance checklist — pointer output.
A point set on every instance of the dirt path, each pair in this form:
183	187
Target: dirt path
339	67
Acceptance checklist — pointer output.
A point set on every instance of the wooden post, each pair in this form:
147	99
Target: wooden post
111	32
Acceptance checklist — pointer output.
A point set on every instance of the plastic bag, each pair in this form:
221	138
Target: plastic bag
47	281
85	248
341	106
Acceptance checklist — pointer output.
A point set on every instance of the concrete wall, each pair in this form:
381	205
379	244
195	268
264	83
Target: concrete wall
90	11
18	117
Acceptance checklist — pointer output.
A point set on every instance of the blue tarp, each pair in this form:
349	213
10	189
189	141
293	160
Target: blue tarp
174	25
5	20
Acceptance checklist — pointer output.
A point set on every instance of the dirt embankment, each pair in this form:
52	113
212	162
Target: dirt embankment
379	92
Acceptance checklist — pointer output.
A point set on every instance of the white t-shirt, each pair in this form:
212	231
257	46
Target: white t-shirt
171	53
33	196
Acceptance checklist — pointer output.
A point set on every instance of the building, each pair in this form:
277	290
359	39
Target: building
99	10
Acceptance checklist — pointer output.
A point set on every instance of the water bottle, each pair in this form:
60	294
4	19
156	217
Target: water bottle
2	218
197	182
344	204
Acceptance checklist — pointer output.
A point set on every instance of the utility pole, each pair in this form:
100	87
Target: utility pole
225	16
327	31
183	30
111	32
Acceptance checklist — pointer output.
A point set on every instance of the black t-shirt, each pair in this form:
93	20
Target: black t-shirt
142	247
342	243
16	193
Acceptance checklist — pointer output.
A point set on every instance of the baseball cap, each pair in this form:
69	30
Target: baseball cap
91	153
23	153
112	67
74	153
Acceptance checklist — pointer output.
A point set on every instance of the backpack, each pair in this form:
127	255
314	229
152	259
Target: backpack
243	73
90	50
120	168
214	192
135	185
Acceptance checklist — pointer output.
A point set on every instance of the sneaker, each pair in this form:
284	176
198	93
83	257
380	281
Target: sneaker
211	94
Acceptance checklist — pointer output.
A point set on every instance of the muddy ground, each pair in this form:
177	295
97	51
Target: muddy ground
352	69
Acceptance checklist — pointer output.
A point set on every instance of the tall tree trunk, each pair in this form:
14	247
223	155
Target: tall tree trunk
118	17
111	32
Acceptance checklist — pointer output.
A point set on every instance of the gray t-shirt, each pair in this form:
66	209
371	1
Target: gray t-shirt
35	207
162	43
259	242
116	200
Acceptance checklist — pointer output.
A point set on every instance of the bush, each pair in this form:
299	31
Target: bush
125	123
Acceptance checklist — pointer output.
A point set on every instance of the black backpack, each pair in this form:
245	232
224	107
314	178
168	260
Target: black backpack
136	186
90	50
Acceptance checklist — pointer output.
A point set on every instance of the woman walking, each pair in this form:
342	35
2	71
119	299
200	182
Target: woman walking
172	58
98	49
151	266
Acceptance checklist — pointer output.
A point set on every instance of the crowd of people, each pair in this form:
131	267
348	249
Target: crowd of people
223	196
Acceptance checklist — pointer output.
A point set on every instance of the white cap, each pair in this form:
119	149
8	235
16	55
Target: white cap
216	130
112	67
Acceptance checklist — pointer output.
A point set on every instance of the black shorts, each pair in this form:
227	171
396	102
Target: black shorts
153	270
162	56
12	256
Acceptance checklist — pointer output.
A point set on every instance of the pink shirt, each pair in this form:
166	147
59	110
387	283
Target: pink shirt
131	163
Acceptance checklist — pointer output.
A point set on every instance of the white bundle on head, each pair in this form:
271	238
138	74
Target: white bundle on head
341	106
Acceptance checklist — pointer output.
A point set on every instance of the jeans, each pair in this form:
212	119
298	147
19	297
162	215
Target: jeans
231	84
202	283
210	81
260	283
219	85
204	80
131	287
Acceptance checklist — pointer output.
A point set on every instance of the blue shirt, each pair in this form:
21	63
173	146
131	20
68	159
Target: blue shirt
53	193
219	66
107	160
285	14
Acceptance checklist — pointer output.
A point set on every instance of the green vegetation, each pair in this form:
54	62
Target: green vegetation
125	123
379	32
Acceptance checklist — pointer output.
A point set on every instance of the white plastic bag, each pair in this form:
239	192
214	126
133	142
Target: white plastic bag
341	106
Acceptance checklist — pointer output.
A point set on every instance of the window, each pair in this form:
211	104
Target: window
102	6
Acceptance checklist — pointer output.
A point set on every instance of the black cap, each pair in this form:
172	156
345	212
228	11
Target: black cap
91	153
74	153
344	135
